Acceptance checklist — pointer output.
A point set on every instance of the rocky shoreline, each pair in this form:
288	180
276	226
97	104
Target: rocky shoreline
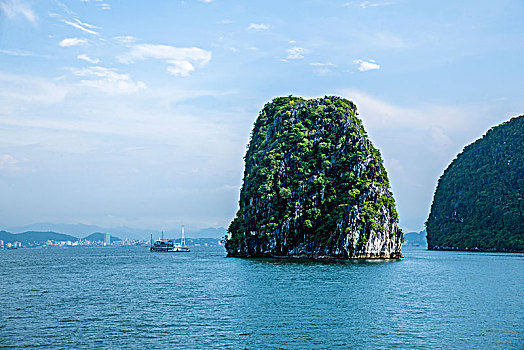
244	255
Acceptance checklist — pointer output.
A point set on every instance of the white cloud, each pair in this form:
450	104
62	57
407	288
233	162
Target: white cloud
181	61
144	51
125	39
100	3
206	1
18	53
86	58
258	26
323	68
7	160
15	8
379	114
440	142
65	8
385	40
102	115
180	68
9	164
108	80
72	42
29	89
85	27
366	4
225	21
366	65
85	24
437	129
320	64
296	53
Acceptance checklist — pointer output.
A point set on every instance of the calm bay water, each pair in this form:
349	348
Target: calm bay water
131	298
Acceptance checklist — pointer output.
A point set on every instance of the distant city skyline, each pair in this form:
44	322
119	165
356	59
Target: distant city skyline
138	113
82	230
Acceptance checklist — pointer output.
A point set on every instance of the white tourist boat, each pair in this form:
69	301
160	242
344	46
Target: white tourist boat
169	245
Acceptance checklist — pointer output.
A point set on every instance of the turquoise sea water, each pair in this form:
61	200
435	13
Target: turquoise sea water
130	298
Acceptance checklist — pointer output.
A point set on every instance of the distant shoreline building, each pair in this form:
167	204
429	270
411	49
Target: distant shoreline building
107	239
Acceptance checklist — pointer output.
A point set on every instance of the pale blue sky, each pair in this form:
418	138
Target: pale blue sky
138	113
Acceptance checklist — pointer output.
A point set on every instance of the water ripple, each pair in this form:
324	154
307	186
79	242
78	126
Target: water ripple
130	298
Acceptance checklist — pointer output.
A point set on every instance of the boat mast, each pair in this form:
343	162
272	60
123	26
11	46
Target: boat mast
183	239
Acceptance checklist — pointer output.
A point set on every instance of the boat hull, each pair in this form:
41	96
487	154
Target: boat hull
170	250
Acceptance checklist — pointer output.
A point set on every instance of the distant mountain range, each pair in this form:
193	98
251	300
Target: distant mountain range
99	236
37	237
41	237
34	238
415	239
82	230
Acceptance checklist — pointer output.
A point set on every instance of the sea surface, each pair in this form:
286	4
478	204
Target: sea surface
130	298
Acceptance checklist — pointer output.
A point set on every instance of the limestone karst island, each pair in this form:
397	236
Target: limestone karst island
314	186
479	200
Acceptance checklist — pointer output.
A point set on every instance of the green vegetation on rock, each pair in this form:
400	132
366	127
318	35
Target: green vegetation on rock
479	200
313	185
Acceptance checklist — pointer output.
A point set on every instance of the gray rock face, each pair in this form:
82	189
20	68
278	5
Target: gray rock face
314	186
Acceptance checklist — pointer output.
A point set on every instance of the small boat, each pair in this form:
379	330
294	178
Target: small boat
169	245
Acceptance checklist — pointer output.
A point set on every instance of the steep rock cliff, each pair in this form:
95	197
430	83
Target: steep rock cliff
479	200
314	186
